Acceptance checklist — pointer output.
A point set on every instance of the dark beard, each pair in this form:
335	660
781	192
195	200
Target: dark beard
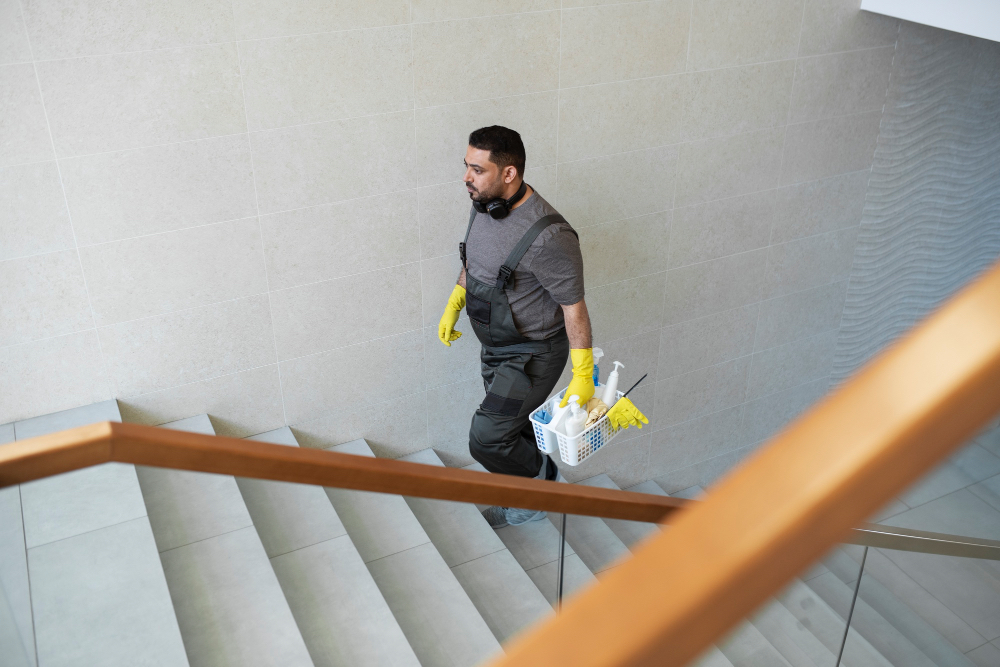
483	197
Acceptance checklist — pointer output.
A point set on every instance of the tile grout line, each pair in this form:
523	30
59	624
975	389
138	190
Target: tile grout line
27	569
260	225
92	530
110	385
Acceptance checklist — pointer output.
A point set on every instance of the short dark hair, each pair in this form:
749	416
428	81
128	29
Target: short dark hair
504	144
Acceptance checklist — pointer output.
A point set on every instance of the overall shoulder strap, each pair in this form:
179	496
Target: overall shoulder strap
514	258
461	246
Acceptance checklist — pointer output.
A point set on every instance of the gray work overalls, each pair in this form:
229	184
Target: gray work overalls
518	373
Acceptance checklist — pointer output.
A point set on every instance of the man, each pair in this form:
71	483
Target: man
522	285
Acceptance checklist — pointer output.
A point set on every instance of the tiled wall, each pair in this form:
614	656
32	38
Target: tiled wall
252	208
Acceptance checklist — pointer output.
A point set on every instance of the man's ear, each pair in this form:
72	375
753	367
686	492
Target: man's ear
509	173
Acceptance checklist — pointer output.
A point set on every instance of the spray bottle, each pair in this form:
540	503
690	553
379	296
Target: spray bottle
598	353
611	388
576	419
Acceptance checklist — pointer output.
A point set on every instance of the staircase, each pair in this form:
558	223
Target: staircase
132	565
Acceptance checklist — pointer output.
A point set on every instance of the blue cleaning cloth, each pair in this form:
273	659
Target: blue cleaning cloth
543	416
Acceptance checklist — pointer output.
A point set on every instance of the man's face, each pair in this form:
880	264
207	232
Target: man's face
483	179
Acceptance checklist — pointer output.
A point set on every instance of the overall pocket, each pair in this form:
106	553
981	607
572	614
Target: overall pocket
507	383
478	309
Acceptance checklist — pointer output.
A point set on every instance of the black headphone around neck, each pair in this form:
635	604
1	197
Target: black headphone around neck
499	208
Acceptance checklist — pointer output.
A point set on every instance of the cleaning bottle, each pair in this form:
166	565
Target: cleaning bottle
598	353
573	424
558	414
610	394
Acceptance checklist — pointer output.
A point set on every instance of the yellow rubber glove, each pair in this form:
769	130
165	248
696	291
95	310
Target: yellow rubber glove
624	414
582	384
446	327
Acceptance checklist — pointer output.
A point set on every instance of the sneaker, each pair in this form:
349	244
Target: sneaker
495	516
517	517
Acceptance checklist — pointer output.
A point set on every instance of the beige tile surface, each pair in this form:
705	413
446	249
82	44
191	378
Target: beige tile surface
334	240
438	277
13	35
765	416
800	314
275	18
159	274
445	70
65	29
320	77
241	404
736	32
647	113
819	206
446	365
727	167
443	214
625	249
627	307
616	187
829	147
735	100
720	228
810	262
792	364
710	287
840	25
304	166
449	417
50	375
42	296
623	459
166	351
33	216
694	441
23	134
106	103
130	193
442	132
443	10
684	397
392	428
639	353
344	311
707	341
623	41
840	83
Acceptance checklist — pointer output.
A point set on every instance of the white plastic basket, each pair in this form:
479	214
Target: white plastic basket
572	450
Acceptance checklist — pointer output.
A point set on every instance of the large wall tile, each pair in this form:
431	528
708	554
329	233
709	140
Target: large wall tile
828	147
840	25
710	287
736	100
105	103
180	348
67	29
766	416
638	353
706	341
443	211
333	240
241	404
51	375
720	228
809	262
839	84
320	77
13	36
792	364
23	134
130	193
391	428
438	277
446	70
737	32
447	365
33	217
730	166
617	117
685	397
42	296
626	308
616	187
277	18
375	371
443	10
625	249
449	417
334	313
800	314
819	206
623	41
625	462
694	441
162	273
443	132
305	166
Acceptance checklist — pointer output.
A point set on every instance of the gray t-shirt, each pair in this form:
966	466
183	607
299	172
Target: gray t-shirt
550	273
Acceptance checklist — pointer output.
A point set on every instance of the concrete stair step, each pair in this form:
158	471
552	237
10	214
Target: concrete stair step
713	657
592	540
629	532
435	613
793	640
747	647
535	546
503	593
339	609
91	555
229	604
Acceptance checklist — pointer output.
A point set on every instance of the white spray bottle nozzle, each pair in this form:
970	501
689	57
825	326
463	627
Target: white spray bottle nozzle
617	365
610	394
598	353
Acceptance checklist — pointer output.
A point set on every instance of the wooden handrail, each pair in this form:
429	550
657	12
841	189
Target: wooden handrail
792	501
31	459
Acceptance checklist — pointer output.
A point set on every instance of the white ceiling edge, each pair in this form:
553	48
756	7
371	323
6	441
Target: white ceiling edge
979	18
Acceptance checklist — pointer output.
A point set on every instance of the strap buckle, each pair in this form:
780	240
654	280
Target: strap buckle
461	251
504	275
